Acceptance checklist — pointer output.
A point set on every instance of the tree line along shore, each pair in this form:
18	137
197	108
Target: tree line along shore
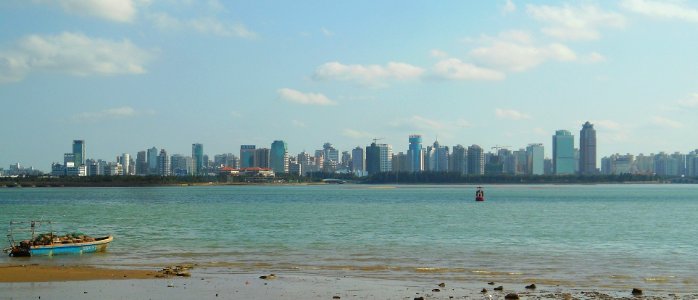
322	178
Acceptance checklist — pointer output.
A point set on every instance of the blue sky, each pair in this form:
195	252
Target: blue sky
126	75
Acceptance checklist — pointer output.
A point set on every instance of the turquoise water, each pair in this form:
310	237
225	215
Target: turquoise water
580	235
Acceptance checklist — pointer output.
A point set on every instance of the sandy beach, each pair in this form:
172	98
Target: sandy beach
87	282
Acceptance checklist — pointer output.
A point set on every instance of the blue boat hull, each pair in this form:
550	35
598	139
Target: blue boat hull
98	245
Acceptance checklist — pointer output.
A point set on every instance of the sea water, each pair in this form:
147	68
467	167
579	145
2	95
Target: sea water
614	236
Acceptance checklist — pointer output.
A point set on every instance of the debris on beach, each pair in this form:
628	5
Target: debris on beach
511	296
531	287
499	288
636	291
336	297
436	290
491	283
442	284
268	277
484	291
182	271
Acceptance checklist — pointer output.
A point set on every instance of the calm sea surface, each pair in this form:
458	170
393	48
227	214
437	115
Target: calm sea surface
591	235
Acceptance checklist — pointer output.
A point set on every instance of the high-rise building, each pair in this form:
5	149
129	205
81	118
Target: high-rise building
587	149
306	162
358	161
261	157
247	156
437	158
459	160
330	153
378	158
141	164
535	159
400	162
152	158
415	153
563	153
164	164
79	152
125	161
181	165
278	158
197	156
476	160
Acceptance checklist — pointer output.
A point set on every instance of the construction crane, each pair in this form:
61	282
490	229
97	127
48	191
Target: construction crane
377	139
498	147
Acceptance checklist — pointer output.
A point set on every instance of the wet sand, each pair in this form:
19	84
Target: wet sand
39	273
84	282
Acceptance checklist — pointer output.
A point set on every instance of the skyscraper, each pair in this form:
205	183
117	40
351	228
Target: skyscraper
536	159
476	160
261	158
79	152
587	149
415	153
379	158
197	156
437	158
358	161
563	153
164	163
152	158
279	157
125	161
459	160
247	156
141	163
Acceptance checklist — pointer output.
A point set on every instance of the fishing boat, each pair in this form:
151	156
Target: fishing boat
49	243
479	194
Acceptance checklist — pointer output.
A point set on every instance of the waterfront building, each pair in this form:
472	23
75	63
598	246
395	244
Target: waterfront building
378	158
519	160
306	161
587	149
346	160
279	157
125	160
181	165
476	160
437	158
152	158
141	163
197	156
563	153
644	164
459	160
535	156
113	169
96	167
415	153
164	168
57	169
358	161
330	153
261	158
692	164
618	164
247	153
400	162
294	168
79	152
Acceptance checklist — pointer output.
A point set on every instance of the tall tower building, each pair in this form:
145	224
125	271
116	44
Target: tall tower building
358	161
476	160
197	156
141	163
415	154
458	161
563	153
379	158
587	149
152	158
278	158
164	164
79	152
261	158
125	161
536	159
247	156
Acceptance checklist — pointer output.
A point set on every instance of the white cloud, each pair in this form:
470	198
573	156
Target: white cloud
575	23
438	53
662	9
508	7
664	122
110	114
515	51
355	134
112	10
372	75
691	102
295	96
297	123
607	124
455	69
72	53
595	57
205	25
510	114
419	123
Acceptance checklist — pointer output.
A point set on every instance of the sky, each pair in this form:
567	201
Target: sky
127	75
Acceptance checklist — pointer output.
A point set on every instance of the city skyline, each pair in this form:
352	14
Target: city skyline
126	75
